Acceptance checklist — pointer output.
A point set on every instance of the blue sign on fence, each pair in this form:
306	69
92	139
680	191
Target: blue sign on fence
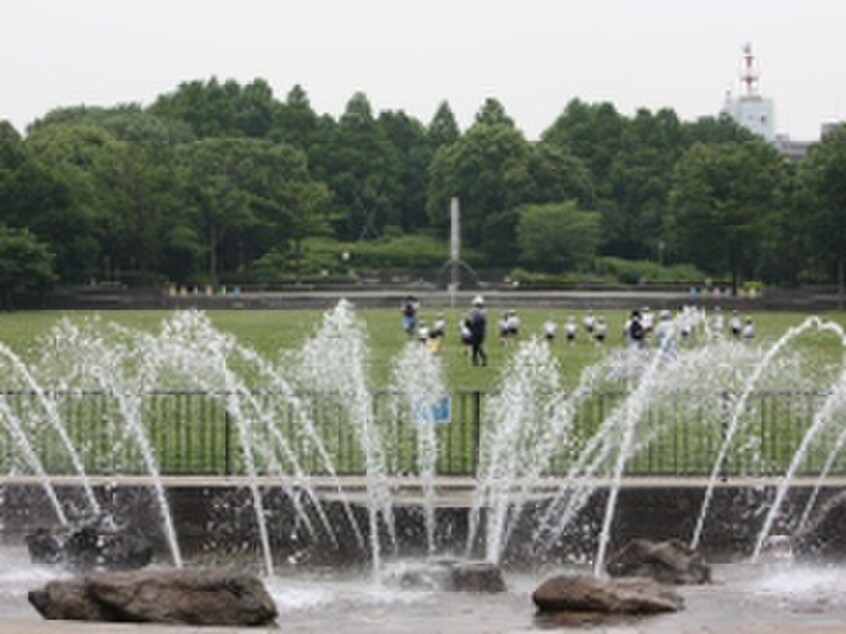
438	412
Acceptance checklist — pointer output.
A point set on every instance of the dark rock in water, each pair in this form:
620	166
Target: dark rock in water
434	575
477	576
671	562
69	600
448	575
588	594
96	544
196	597
824	538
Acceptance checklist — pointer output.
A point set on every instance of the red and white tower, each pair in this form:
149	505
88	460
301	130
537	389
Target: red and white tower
750	109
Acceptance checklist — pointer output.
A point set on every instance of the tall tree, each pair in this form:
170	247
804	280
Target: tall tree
557	237
213	109
594	133
25	262
722	200
295	122
443	128
638	185
493	112
362	170
408	137
245	193
62	197
823	176
474	169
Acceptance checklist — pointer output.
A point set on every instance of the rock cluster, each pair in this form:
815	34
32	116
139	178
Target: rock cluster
594	598
671	561
196	597
450	576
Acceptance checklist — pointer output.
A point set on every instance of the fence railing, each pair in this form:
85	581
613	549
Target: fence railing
204	433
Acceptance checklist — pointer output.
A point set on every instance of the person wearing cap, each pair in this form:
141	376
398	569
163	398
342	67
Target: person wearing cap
478	325
633	330
410	306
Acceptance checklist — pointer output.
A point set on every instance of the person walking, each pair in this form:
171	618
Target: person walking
478	325
410	306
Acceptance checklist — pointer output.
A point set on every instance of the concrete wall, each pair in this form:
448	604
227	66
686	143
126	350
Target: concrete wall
219	523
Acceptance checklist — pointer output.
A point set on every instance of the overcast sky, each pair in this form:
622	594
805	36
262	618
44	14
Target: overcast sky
532	55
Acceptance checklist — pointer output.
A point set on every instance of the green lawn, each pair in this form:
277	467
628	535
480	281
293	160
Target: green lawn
183	446
270	331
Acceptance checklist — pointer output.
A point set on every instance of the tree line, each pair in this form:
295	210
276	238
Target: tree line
221	181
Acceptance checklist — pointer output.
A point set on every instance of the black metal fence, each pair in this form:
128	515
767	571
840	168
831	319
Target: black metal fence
204	433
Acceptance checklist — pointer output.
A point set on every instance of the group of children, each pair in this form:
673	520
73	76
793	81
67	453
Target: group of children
640	327
595	327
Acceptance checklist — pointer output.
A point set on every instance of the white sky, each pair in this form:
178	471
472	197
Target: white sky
532	55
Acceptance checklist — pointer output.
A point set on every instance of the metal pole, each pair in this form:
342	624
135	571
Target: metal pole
454	249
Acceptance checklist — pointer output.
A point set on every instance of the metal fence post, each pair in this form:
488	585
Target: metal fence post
477	429
227	443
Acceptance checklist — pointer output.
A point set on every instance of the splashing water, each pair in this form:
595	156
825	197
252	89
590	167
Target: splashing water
418	378
335	362
528	428
736	419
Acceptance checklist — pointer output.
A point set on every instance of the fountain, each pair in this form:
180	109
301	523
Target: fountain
318	464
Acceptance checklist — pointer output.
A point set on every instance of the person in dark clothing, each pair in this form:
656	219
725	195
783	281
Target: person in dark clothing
410	307
478	324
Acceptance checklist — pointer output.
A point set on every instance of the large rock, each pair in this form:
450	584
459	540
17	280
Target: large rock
671	561
99	543
824	538
588	594
197	597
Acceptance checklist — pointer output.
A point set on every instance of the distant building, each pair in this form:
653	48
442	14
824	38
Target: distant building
757	114
794	150
751	110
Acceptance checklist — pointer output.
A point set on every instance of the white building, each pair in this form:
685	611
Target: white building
750	109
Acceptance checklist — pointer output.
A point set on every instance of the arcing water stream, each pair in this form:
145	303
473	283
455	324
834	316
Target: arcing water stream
536	463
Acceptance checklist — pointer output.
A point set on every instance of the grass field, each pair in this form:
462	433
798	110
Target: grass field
271	331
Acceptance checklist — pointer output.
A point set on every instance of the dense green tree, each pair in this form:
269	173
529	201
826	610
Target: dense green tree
548	174
295	122
638	185
225	173
722	200
823	178
12	152
12	155
213	109
25	262
408	137
62	196
474	169
557	237
443	128
720	129
594	133
493	112
244	194
362	168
